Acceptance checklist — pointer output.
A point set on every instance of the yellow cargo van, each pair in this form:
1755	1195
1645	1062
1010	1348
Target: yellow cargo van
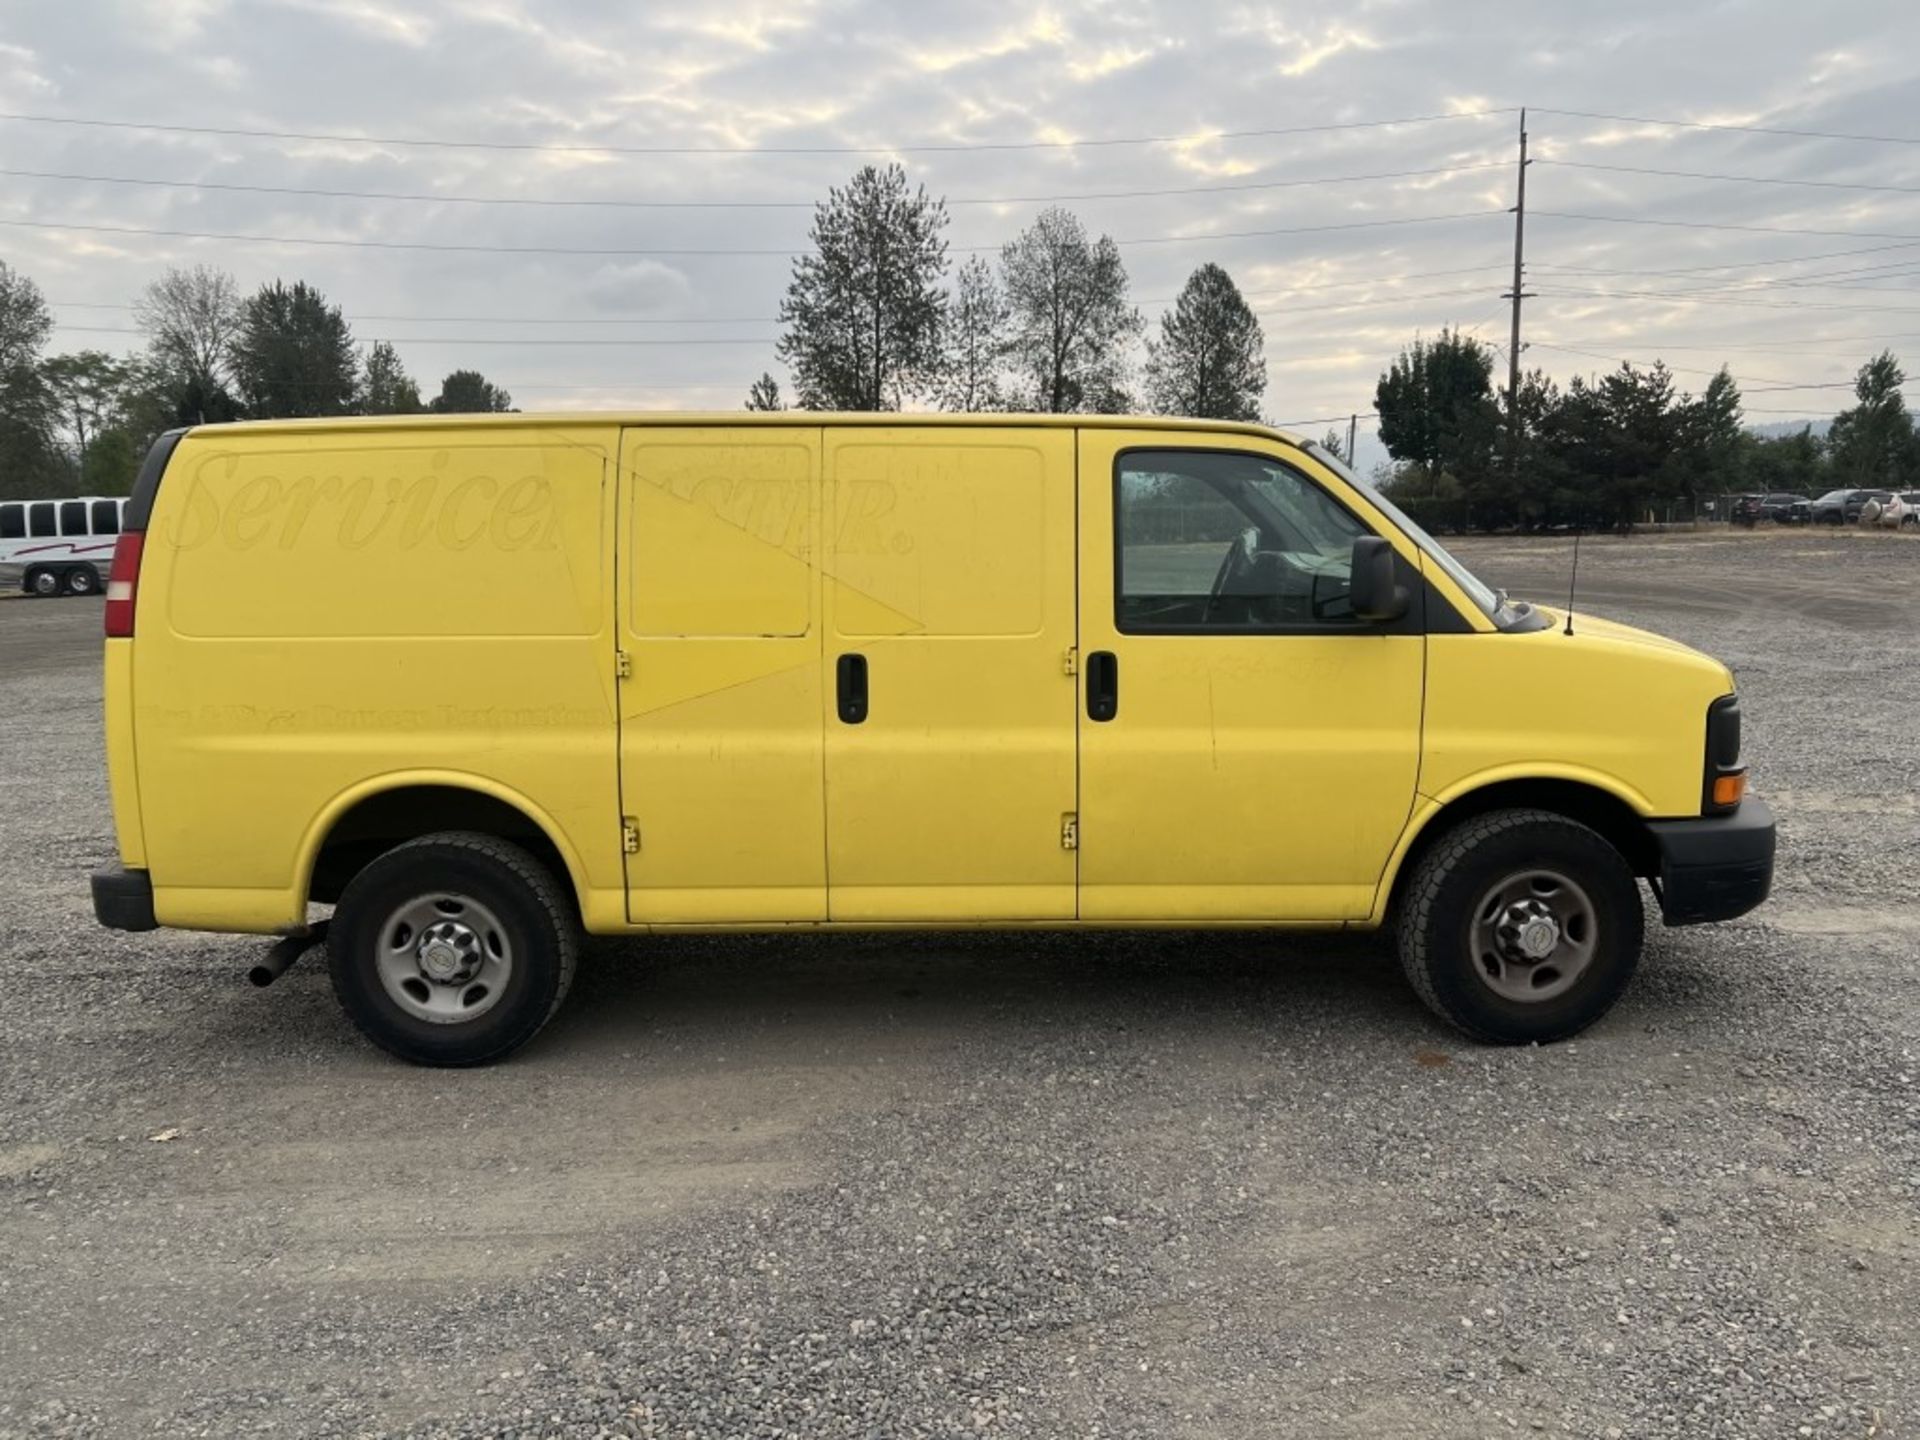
480	684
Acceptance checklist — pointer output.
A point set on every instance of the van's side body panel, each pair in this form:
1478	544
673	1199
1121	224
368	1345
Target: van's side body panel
123	779
1244	776
720	716
325	613
949	558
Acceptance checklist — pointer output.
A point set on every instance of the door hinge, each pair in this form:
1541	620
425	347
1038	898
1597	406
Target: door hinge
1069	831
630	835
1071	664
622	664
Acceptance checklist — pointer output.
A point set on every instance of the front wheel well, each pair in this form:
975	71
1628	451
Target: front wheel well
1610	817
375	825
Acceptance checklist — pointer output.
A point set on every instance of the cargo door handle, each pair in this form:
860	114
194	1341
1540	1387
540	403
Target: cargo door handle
1103	685
851	674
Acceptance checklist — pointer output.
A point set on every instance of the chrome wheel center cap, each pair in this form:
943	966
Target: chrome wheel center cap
449	953
1538	938
1528	932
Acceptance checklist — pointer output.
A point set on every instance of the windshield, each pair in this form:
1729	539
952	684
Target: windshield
1490	602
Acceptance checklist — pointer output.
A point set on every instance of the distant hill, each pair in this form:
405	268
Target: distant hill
1774	429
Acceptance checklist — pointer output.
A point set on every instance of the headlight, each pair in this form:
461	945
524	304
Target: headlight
1726	777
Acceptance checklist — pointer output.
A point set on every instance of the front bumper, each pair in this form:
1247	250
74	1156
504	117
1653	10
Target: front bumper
123	899
1716	867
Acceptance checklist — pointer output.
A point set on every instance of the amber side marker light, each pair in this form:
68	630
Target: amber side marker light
1728	789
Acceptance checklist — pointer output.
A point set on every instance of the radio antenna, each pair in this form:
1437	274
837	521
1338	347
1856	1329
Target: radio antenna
1573	580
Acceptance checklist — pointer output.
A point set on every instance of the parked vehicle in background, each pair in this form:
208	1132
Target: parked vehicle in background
60	546
1888	514
1843	507
1911	499
1787	509
1781	509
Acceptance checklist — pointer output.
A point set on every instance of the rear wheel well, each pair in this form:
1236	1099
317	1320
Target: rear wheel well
376	824
1609	816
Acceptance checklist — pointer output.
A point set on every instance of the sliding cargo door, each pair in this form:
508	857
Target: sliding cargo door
720	638
946	692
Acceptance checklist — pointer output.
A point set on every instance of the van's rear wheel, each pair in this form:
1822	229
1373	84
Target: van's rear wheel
453	949
1521	926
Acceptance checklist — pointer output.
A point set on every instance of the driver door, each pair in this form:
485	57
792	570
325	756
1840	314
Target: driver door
1257	747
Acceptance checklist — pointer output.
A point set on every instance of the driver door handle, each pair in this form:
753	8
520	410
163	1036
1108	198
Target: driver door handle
1103	685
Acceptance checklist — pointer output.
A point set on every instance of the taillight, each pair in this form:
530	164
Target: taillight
123	583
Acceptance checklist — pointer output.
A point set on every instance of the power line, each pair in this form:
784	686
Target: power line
1741	264
1713	225
939	147
1766	386
1688	297
429	197
774	319
1709	175
693	251
1721	125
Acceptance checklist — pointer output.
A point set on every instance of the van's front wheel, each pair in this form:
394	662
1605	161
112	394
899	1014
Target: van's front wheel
1521	926
454	949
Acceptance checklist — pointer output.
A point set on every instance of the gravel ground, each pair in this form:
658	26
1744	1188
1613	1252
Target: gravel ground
1160	1185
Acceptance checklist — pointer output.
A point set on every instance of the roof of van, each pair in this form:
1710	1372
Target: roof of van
551	418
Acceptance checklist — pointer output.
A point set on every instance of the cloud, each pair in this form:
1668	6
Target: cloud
808	78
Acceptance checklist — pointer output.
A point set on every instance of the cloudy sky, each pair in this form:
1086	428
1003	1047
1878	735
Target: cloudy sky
657	142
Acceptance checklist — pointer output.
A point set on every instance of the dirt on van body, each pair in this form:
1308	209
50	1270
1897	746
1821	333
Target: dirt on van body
1095	1185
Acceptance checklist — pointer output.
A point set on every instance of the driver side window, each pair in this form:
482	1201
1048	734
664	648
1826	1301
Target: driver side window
1214	542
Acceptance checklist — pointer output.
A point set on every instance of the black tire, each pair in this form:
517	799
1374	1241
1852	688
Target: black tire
1436	924
535	915
42	583
83	580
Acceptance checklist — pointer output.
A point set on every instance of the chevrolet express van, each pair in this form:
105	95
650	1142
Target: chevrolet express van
482	684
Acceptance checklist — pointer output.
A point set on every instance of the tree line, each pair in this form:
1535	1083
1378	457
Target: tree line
872	320
1604	449
79	423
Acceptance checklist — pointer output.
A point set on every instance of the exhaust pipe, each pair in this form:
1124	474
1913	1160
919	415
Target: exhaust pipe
280	958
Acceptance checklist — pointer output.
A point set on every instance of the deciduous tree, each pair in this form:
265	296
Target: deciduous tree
973	377
1071	320
385	386
468	392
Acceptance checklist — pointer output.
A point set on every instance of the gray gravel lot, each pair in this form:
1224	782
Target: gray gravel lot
1158	1185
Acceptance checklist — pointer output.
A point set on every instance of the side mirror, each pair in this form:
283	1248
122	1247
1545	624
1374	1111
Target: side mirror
1376	595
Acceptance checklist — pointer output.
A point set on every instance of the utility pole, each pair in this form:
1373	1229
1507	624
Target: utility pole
1517	295
1353	423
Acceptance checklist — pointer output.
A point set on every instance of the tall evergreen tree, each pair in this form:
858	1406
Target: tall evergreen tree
976	342
385	386
863	311
764	393
1071	319
1210	360
294	354
1872	442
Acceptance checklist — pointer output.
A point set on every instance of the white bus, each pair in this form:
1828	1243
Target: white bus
60	547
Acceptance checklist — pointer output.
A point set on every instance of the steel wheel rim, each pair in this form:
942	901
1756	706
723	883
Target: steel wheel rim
46	584
82	583
1533	935
444	958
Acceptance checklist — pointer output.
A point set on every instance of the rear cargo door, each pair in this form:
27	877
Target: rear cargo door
721	708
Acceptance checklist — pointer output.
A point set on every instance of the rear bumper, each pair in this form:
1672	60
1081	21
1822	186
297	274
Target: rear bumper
1715	868
123	899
